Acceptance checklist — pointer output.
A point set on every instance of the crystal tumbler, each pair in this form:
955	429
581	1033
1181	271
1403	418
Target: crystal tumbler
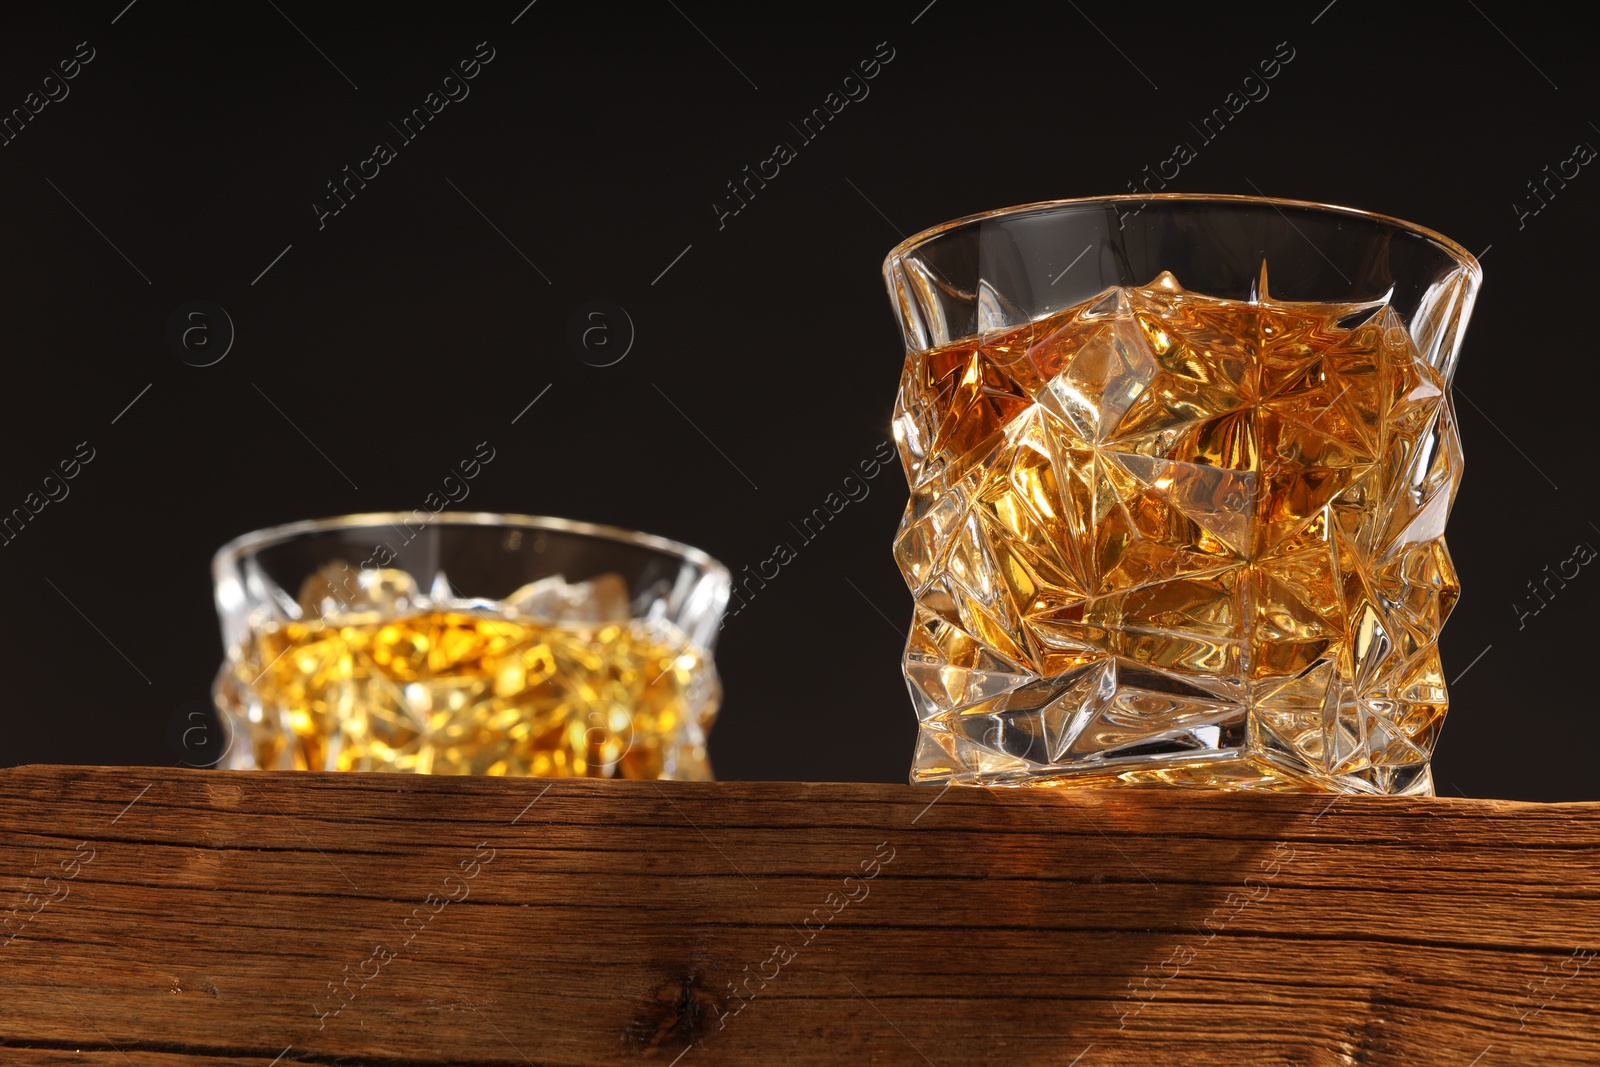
468	643
1180	468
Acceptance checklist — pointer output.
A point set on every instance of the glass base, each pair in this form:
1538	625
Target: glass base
1237	771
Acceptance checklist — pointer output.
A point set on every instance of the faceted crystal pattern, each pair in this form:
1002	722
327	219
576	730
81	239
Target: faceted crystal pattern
1164	537
556	680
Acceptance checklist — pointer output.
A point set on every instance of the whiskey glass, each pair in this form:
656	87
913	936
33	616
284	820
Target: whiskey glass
1180	467
468	643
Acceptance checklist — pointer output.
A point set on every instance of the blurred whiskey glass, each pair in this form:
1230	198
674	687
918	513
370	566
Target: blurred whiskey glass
468	643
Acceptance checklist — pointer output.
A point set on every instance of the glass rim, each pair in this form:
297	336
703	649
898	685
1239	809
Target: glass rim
250	543
1454	248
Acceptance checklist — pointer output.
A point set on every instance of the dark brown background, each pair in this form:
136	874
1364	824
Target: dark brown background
408	329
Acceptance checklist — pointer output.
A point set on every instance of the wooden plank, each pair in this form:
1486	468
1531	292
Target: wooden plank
199	918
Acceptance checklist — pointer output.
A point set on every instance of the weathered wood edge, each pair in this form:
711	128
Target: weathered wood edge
1515	882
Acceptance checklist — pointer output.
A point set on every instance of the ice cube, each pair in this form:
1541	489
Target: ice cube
443	597
340	589
603	598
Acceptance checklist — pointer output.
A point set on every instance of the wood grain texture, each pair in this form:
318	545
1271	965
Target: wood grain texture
203	918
